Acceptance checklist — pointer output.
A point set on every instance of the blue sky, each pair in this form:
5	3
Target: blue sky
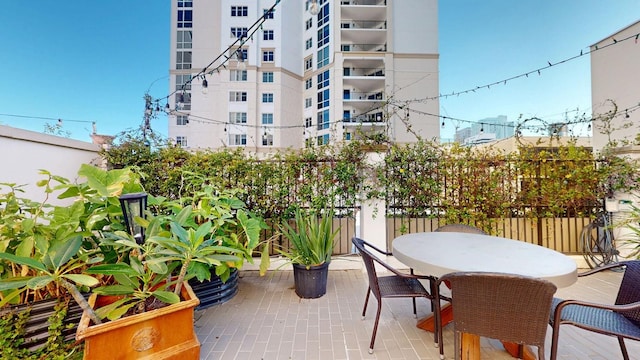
85	61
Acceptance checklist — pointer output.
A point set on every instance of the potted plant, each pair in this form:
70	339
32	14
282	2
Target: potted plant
311	241
85	245
179	243
44	249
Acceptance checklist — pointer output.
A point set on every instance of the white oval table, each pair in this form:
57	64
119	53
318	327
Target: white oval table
439	253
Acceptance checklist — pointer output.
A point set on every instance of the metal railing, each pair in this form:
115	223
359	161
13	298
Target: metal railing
364	47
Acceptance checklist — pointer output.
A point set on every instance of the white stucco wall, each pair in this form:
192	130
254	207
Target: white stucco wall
25	152
615	77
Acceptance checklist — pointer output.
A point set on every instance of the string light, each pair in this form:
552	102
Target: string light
526	74
205	85
314	8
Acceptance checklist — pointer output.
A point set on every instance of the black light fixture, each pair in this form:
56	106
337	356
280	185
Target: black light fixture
205	85
133	205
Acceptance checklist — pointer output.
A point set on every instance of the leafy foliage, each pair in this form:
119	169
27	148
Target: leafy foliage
311	237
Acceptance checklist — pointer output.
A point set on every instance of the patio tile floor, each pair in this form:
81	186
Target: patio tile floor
266	320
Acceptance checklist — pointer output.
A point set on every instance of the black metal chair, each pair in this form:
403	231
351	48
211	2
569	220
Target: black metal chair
507	307
461	228
398	285
621	320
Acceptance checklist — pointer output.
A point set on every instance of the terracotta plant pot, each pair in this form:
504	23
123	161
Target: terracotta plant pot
165	333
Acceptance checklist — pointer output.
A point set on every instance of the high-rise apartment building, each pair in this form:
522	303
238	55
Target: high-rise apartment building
299	78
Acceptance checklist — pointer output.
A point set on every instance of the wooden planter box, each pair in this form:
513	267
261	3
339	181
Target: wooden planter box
165	333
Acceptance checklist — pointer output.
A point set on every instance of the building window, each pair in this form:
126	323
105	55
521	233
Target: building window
308	122
268	14
323	79
185	3
267	56
183	60
323	36
308	102
267	119
267	77
323	139
308	63
267	35
237	139
308	24
323	15
308	43
184	39
237	117
181	141
235	54
323	98
308	83
238	75
267	97
183	100
348	136
185	18
323	119
238	96
182	120
238	32
267	139
323	57
183	82
239	11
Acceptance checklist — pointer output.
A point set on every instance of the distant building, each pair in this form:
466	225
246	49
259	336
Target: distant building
614	80
486	130
302	79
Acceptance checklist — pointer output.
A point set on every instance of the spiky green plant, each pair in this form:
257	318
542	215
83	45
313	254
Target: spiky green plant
311	238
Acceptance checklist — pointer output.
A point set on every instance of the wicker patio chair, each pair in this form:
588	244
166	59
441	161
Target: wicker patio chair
398	285
462	228
507	307
621	320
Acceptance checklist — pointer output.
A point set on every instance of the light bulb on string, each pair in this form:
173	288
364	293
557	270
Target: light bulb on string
205	85
241	60
314	8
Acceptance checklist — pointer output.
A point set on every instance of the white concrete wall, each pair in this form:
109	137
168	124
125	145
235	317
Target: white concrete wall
615	76
25	152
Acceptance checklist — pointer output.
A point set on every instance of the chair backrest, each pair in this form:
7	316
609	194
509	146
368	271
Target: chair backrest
462	228
507	307
629	291
368	259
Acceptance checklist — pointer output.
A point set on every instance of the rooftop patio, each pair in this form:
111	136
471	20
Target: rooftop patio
267	320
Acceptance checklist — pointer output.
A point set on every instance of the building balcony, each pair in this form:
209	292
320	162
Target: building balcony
363	72
364	36
363	120
369	10
364	47
363	25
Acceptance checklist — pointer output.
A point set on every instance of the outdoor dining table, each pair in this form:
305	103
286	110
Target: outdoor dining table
439	253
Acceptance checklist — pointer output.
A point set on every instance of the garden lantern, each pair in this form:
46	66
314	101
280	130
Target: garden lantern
133	205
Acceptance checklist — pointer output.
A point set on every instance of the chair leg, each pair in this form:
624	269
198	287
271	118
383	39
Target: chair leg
457	345
415	312
554	341
541	352
623	348
437	325
366	301
375	327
